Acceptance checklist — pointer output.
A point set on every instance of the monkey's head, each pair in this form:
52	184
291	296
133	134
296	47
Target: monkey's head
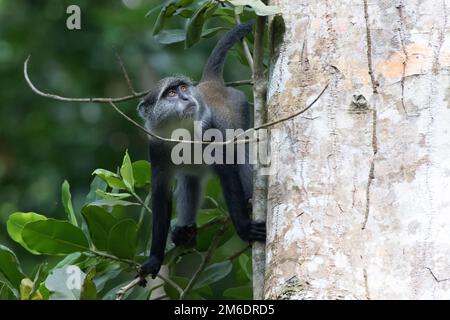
173	103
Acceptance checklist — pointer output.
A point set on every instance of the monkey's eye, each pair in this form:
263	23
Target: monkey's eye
183	87
171	93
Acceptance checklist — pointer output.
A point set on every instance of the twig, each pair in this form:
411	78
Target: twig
170	282
111	101
120	294
133	96
125	74
205	260
111	257
272	123
247	52
67	99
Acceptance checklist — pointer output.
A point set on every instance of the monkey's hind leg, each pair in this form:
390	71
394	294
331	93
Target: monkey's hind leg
188	193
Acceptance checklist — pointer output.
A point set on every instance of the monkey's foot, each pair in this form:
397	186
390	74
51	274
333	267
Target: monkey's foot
255	232
150	267
185	235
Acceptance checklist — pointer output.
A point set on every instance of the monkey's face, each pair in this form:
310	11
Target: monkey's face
176	105
181	99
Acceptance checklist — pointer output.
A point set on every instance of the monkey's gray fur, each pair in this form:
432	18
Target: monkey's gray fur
176	103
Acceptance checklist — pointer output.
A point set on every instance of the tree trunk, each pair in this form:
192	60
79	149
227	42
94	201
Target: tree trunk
359	207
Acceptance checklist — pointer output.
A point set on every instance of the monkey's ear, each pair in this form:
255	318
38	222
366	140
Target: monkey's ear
142	109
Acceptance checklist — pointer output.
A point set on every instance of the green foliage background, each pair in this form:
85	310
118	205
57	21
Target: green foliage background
44	142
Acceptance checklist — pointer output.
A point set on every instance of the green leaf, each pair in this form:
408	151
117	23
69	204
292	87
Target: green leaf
229	248
240	293
66	199
260	8
141	173
194	26
6	293
208	33
113	180
182	282
246	264
89	290
122	239
207	215
126	171
214	273
179	35
169	9
112	196
96	184
44	291
10	268
106	271
16	223
65	283
72	258
54	237
100	223
183	12
113	203
171	36
39	277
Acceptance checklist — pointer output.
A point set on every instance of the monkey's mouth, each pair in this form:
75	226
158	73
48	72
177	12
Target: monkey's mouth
190	108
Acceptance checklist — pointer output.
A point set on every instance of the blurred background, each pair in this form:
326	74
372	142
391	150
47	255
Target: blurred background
42	141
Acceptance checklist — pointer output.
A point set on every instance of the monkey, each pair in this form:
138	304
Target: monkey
175	102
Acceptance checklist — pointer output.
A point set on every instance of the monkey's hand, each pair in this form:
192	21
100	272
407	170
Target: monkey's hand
254	231
185	235
150	267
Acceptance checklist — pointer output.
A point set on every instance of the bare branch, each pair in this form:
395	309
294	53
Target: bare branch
120	295
171	283
133	96
272	123
66	99
111	101
125	74
205	260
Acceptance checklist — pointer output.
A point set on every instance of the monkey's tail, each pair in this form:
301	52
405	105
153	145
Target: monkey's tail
214	66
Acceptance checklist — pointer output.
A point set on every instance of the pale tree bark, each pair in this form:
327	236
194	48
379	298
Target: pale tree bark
359	207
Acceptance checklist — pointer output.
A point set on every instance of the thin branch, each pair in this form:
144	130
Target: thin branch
66	99
123	290
120	294
133	96
111	257
111	101
247	52
125	74
170	282
272	123
205	260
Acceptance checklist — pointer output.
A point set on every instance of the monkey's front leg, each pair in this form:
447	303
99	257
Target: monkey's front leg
233	191
161	207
